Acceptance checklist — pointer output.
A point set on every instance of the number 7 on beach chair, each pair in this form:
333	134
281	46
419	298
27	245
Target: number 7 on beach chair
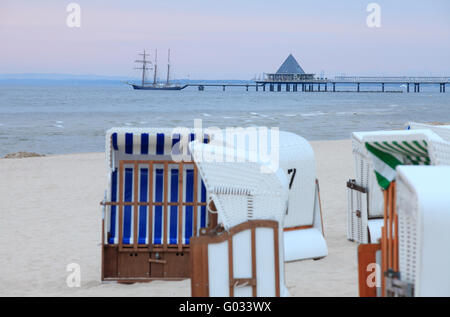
153	205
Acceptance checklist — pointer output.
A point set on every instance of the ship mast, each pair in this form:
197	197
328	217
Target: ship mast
144	67
168	67
156	67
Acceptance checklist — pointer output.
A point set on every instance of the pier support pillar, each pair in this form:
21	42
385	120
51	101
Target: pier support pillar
246	88
271	87
443	87
407	87
295	87
303	87
256	87
288	87
418	87
382	87
326	87
415	87
201	88
334	87
358	87
264	87
279	87
223	88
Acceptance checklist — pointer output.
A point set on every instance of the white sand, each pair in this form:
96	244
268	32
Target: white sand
50	217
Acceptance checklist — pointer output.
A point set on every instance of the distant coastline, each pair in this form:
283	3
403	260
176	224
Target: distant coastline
71	79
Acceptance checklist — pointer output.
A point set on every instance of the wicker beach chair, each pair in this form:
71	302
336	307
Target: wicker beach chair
153	205
365	197
387	150
303	220
243	256
421	259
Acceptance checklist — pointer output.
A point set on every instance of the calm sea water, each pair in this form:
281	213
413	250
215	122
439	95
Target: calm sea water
70	119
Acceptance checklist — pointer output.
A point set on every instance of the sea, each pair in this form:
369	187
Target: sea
72	118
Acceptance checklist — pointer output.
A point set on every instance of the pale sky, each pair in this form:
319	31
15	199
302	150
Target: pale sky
232	39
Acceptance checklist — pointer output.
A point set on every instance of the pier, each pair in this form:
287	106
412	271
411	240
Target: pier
355	84
291	77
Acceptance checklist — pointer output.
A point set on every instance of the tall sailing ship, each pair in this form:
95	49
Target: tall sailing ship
154	85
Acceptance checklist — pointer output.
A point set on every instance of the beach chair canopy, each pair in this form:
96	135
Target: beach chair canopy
148	143
288	151
242	190
423	206
442	130
389	149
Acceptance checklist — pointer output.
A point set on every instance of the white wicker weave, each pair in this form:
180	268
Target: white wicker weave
442	130
240	190
440	152
423	206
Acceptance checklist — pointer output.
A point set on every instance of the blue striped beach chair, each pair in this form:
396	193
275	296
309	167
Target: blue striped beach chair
153	205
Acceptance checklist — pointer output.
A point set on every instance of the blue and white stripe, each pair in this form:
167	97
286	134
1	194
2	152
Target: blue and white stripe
160	144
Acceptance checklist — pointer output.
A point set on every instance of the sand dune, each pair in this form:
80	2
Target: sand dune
50	217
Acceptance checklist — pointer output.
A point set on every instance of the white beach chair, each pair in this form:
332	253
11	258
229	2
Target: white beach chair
153	205
385	152
442	130
423	208
247	258
303	225
365	197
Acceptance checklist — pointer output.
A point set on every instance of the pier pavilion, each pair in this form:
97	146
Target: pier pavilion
289	73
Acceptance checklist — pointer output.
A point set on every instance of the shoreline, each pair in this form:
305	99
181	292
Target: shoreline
51	218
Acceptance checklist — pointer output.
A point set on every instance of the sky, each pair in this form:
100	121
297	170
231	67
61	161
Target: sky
233	39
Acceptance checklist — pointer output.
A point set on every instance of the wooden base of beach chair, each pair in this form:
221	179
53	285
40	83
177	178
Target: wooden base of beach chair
218	260
143	265
367	266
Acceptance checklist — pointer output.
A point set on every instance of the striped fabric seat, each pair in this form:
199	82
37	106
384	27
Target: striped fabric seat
143	182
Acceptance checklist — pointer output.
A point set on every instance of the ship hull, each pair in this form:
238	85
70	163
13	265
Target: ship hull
140	87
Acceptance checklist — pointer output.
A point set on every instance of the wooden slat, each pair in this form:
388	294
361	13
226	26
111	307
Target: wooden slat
121	167
320	207
383	259
366	256
253	237
230	264
180	206
166	183
150	206
162	162
395	229
195	200
132	203
390	222
298	228
277	261
136	198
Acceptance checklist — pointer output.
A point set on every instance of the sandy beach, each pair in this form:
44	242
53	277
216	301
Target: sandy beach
51	217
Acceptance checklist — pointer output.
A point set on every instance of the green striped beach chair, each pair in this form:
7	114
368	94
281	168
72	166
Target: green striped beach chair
377	154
